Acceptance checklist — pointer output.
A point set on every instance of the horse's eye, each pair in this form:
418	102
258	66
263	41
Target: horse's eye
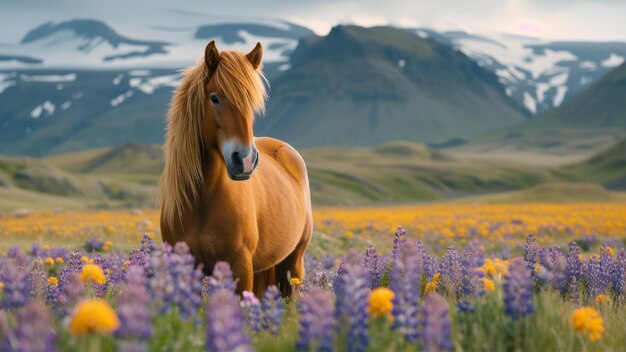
214	99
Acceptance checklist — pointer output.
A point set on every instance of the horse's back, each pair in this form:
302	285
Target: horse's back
284	155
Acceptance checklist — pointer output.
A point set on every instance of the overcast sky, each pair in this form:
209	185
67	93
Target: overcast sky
599	20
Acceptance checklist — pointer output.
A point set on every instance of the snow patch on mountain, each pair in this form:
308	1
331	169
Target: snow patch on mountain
613	60
47	107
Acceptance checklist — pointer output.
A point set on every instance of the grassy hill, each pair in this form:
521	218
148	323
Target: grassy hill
36	183
366	86
607	167
394	172
397	171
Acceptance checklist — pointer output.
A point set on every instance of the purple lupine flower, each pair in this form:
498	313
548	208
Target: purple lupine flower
251	308
6	334
421	255
33	331
435	332
322	280
473	259
573	293
431	266
147	244
352	299
317	321
75	263
138	257
225	325
375	266
272	305
37	250
187	280
71	289
574	265
555	265
221	278
518	291
53	293
596	276
398	240
618	273
134	315
94	244
38	279
17	288
404	282
452	269
530	253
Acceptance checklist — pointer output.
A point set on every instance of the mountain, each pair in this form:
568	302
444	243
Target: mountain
95	44
536	73
601	105
366	86
81	84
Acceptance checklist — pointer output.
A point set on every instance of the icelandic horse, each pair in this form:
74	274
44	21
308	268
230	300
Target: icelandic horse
228	195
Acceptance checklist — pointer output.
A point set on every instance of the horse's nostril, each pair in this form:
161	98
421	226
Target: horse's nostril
237	160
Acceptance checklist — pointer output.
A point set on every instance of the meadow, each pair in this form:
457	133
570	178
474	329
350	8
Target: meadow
462	277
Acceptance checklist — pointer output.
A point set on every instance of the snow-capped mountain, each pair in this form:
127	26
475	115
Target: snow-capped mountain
538	74
92	44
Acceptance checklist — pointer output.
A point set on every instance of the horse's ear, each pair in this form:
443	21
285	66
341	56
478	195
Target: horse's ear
255	56
211	57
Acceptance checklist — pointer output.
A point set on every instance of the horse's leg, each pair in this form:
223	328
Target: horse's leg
241	266
293	266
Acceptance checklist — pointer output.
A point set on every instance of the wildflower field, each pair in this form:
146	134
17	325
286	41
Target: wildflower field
453	277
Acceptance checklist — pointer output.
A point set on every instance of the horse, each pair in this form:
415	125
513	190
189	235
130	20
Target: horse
228	195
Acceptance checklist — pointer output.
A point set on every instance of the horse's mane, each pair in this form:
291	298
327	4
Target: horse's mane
182	179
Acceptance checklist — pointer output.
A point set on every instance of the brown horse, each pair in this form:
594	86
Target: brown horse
228	195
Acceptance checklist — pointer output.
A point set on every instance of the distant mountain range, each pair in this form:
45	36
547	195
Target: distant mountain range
538	74
83	83
366	86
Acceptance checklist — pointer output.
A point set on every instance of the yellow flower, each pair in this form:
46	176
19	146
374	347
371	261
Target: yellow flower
432	285
125	265
45	247
489	285
93	273
381	302
610	251
588	321
49	261
295	282
59	260
601	299
53	281
1	285
93	315
84	259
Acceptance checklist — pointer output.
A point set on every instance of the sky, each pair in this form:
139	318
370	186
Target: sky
596	20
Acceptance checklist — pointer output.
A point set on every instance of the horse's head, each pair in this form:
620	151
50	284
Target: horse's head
234	92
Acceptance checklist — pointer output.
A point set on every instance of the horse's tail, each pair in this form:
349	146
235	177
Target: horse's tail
264	279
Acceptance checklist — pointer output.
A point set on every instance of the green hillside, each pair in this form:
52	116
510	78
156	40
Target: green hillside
607	168
366	86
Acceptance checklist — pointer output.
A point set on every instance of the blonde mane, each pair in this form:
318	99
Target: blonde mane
182	179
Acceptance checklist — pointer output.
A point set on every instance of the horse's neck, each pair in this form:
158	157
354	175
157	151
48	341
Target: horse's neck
213	174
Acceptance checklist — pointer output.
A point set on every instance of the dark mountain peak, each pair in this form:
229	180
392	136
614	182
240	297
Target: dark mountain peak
364	86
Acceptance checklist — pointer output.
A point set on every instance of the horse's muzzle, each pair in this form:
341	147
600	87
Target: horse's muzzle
241	166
